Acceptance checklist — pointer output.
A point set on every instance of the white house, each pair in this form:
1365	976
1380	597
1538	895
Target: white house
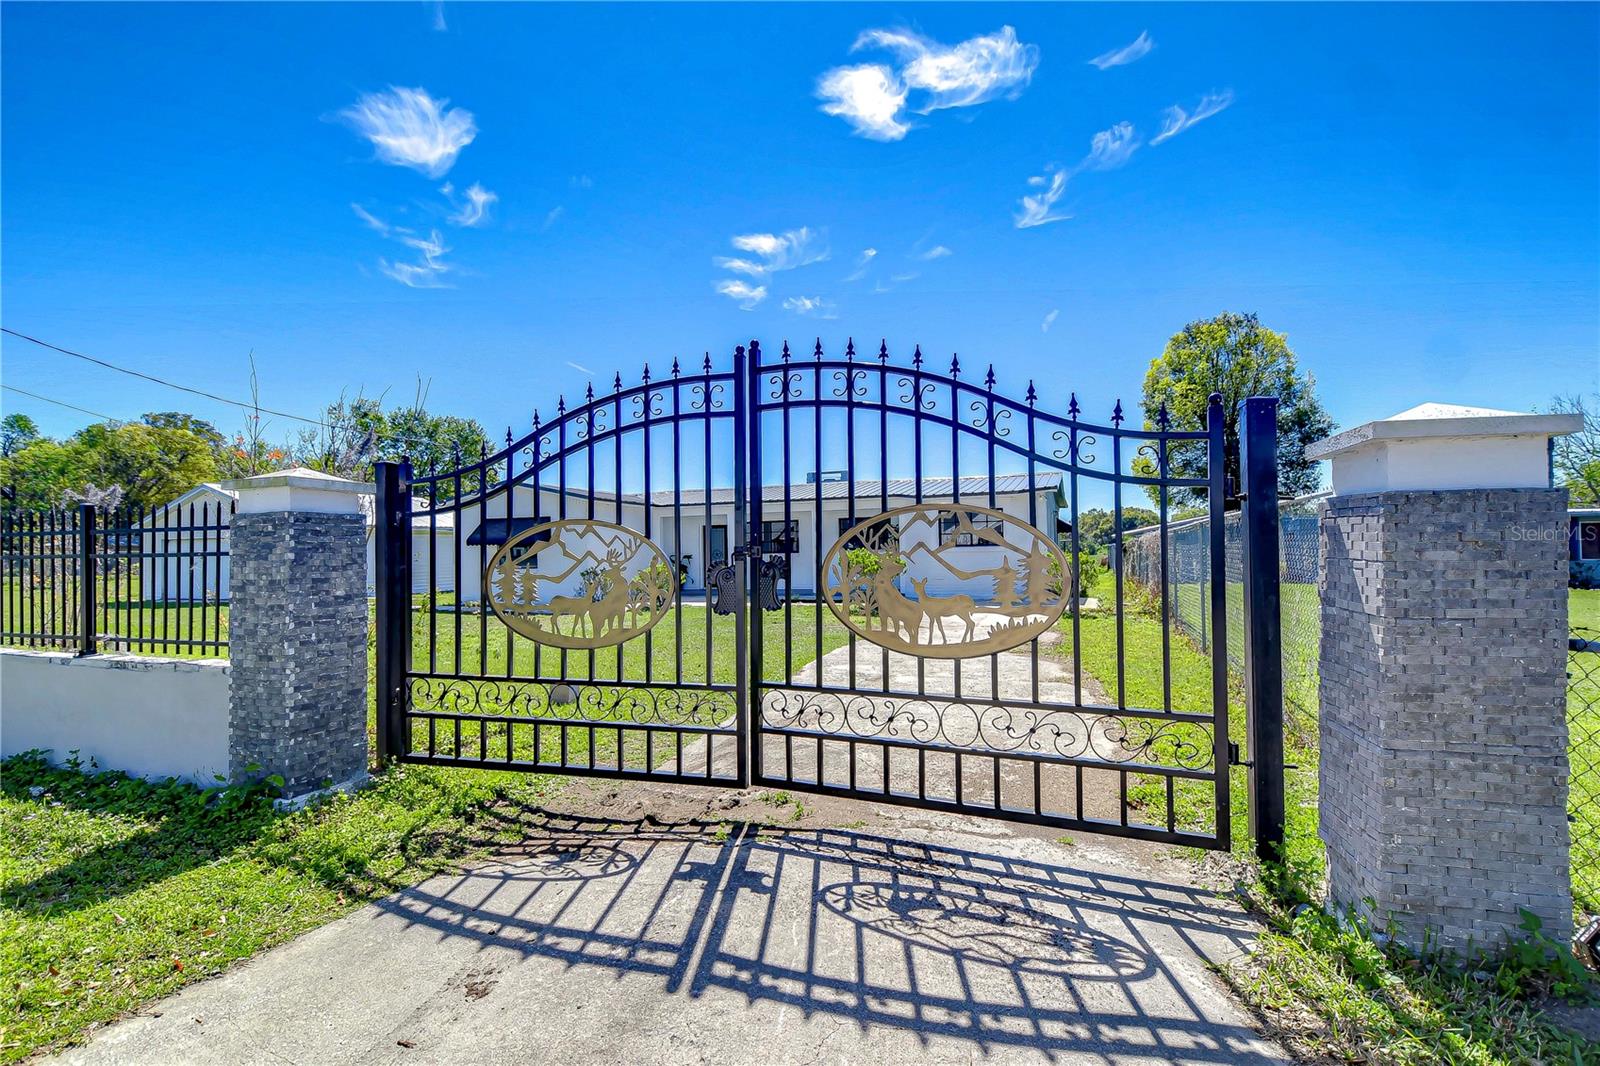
692	531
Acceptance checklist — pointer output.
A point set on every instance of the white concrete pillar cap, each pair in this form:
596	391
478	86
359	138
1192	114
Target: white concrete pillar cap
1445	446
299	489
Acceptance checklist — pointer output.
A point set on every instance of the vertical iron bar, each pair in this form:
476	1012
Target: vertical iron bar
1263	650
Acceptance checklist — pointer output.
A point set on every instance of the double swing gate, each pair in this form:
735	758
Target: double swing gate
832	574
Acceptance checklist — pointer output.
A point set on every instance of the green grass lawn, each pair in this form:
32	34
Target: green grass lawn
114	892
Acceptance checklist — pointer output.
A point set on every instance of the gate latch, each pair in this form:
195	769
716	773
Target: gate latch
1233	755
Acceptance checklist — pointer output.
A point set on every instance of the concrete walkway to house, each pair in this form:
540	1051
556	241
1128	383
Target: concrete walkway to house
650	924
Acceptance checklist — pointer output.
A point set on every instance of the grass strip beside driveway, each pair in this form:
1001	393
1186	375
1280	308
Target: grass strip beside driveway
116	891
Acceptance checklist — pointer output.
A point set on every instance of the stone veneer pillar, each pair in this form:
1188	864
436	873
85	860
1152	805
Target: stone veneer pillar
1443	673
297	631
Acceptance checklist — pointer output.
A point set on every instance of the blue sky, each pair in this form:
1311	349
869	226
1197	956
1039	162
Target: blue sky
1412	193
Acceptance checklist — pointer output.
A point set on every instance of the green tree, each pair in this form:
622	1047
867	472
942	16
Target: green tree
17	431
152	464
1095	526
1237	356
1577	455
37	477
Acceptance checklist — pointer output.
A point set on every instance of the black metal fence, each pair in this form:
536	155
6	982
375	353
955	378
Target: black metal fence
1583	798
91	580
1189	603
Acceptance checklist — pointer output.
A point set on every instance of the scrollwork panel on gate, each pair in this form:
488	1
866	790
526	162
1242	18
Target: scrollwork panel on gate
993	728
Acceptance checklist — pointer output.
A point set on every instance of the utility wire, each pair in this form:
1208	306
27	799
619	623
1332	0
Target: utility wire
161	381
62	403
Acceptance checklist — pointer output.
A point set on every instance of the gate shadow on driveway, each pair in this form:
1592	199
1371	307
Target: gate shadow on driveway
795	937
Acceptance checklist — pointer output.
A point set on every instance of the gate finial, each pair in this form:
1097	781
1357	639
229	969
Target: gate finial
755	351
1031	396
818	352
1163	418
785	351
588	393
850	349
988	379
883	351
616	386
955	365
707	365
647	373
1073	410
916	358
674	366
1117	415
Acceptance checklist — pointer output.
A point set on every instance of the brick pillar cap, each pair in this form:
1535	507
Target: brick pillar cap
299	489
1445	446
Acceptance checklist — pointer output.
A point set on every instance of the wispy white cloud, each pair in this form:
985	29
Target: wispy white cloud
1128	53
581	181
810	305
409	128
438	16
1049	320
869	97
373	222
475	211
746	294
773	252
873	96
867	256
1039	208
427	272
1174	120
938	251
1111	148
1108	150
552	217
579	367
910	275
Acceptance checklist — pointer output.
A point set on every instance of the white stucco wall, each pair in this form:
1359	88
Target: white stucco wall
154	718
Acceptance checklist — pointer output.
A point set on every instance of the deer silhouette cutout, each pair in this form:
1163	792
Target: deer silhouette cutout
937	608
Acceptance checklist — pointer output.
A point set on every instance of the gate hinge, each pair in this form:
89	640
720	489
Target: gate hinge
1233	756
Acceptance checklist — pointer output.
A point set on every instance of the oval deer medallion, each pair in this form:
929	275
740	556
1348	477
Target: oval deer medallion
946	580
580	583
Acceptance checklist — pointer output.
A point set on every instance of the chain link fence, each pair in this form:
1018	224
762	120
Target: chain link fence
1189	585
1583	797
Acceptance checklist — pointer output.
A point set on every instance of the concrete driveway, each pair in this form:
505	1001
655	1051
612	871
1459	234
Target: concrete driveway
612	937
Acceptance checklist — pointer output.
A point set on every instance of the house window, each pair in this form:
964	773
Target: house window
962	529
855	542
780	538
1589	541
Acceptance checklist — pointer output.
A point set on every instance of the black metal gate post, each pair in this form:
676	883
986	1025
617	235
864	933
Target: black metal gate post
747	656
1263	650
88	609
391	551
1216	586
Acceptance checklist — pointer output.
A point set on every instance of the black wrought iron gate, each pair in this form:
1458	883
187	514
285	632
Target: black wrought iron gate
836	574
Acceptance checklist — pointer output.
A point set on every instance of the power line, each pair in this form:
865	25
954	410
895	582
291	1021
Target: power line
62	403
162	381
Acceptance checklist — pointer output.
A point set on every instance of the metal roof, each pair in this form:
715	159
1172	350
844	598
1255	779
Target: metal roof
972	488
